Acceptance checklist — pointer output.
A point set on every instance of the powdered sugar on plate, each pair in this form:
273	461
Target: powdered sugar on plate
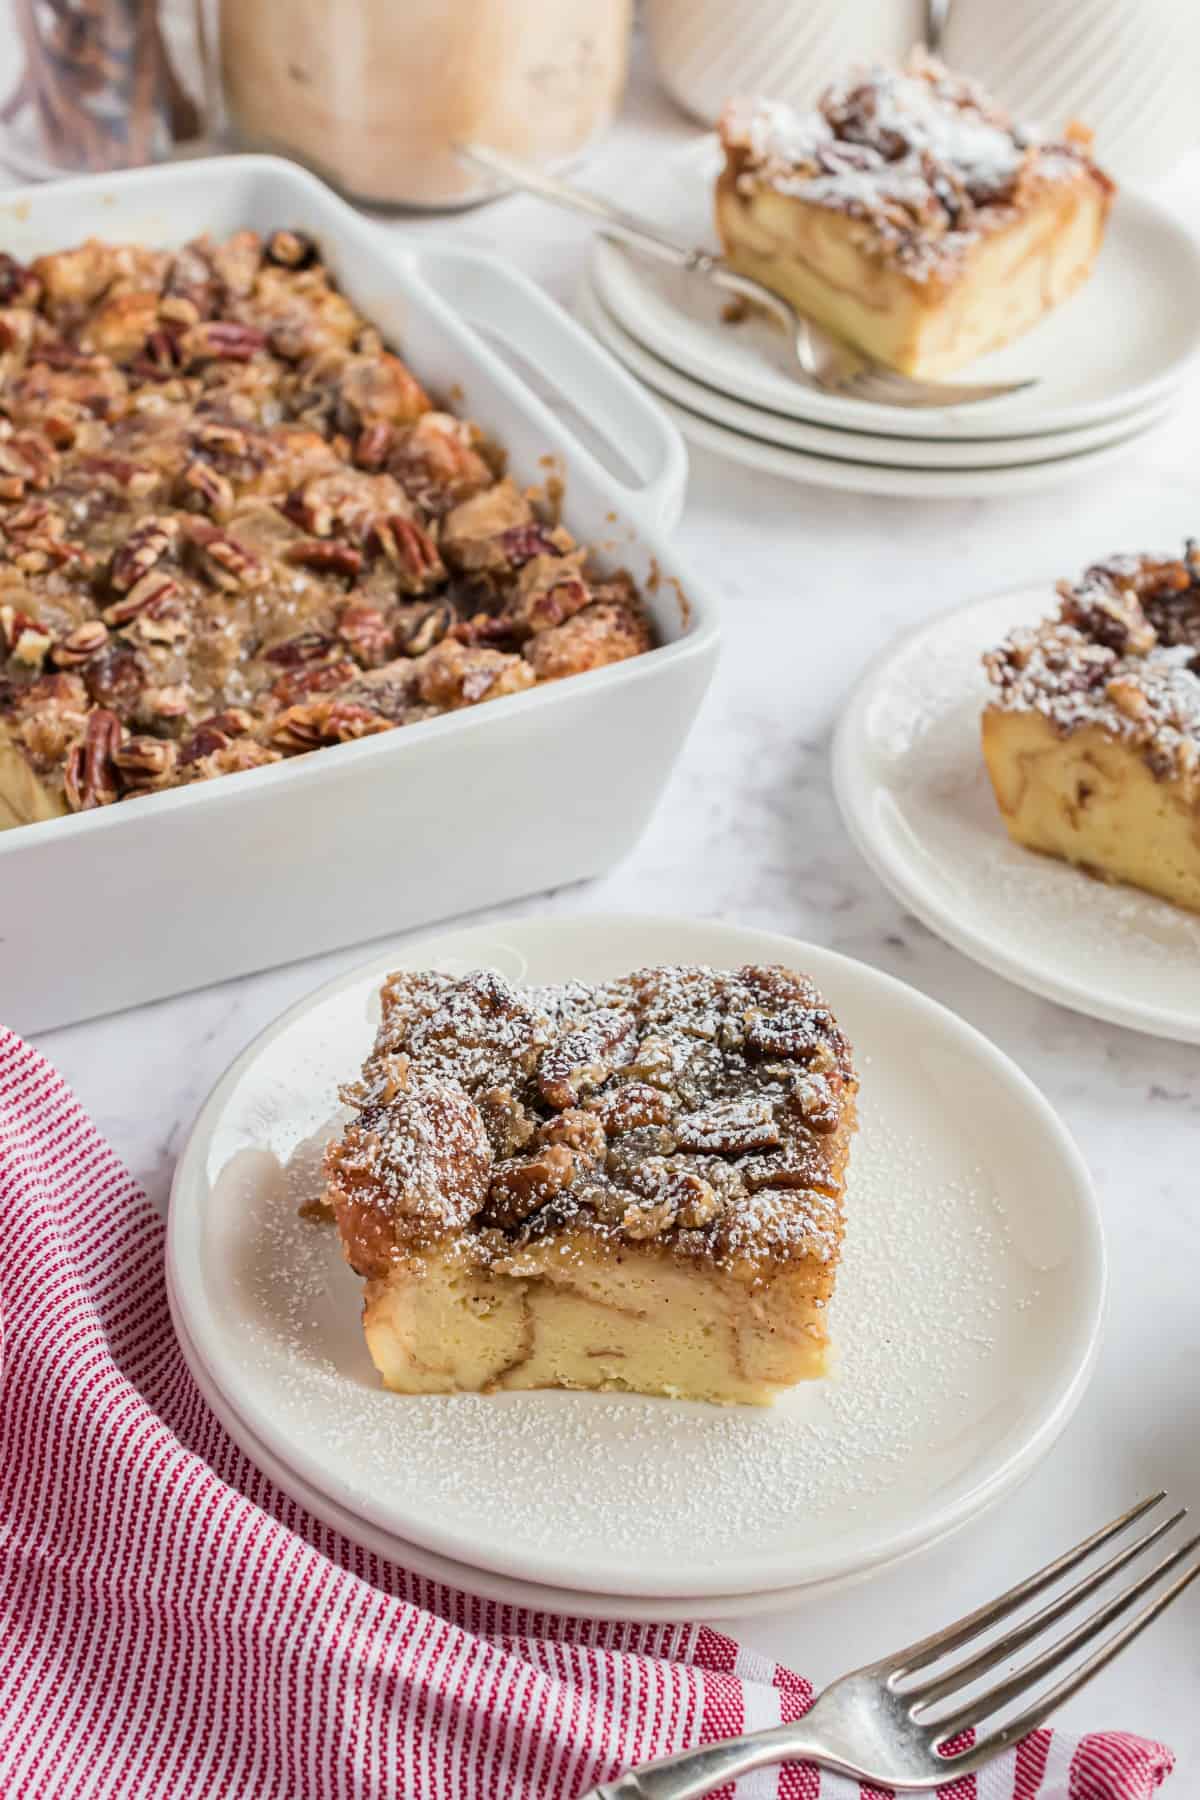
965	1311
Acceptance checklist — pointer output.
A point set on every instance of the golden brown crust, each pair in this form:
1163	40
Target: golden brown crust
689	1112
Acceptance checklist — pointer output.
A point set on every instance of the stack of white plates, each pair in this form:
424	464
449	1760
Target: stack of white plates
966	1320
1108	364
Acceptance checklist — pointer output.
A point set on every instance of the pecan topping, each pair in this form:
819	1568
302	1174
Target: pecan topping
79	646
519	1188
327	556
627	1107
145	763
580	1131
291	249
222	340
145	545
367	633
373	445
305	680
149	595
582	1058
424	626
796	1032
730	1127
411	548
23	638
91	774
308	647
203	486
226	562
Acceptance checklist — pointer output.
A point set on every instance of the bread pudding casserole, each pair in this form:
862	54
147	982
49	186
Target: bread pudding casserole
1092	739
908	214
234	528
635	1186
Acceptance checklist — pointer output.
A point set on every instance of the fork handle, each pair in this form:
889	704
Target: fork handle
693	1773
617	223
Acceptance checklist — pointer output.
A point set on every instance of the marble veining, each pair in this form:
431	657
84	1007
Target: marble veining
814	584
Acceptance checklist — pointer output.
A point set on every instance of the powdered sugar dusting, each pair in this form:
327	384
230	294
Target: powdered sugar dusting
931	823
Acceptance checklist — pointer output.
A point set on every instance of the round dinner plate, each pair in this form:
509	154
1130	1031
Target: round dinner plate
852	446
1121	341
886	478
966	1317
916	798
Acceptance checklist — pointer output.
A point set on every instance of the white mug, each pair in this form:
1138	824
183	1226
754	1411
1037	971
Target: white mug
708	50
1129	69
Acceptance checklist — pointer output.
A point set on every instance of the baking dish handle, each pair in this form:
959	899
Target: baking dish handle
495	301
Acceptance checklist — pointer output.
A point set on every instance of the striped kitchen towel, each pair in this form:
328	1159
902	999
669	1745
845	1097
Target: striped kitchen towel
173	1626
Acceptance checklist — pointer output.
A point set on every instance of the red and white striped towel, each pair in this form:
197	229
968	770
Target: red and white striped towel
173	1626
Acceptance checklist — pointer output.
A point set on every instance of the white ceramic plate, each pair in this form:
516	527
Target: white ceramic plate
1118	343
851	446
966	1317
506	1590
916	798
886	478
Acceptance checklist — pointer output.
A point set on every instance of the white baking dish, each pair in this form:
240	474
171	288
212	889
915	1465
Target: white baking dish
106	909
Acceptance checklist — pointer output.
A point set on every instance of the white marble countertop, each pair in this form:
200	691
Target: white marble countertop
814	584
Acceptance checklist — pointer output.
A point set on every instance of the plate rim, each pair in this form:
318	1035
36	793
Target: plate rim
1048	1420
835	409
851	788
886	480
487	1584
645	365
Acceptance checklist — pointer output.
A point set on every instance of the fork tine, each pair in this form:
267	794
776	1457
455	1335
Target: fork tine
963	1674
1019	1683
931	1649
985	1748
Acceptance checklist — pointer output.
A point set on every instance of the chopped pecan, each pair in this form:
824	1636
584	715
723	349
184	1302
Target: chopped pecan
145	763
521	543
291	249
368	633
146	544
115	677
221	340
203	486
169	701
90	775
584	1057
309	725
815	1101
305	681
520	1187
730	1127
79	646
149	595
293	652
452	675
580	1131
793	1032
22	638
409	547
18	287
648	1219
424	625
328	556
628	1106
160	357
373	445
225	561
509	1124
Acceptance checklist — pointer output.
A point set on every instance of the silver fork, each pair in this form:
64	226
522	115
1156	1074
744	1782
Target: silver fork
882	1726
820	358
